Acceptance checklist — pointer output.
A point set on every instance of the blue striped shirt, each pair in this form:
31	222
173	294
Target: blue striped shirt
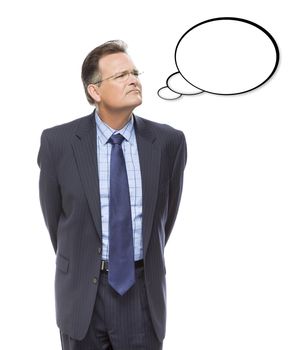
130	151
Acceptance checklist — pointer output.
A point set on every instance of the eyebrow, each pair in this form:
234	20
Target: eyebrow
127	70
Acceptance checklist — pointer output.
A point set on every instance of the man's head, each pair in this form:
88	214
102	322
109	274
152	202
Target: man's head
110	77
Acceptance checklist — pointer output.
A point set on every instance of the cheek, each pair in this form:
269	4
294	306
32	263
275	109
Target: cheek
112	96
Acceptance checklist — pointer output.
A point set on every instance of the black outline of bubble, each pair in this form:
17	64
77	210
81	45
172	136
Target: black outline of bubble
197	93
241	20
168	99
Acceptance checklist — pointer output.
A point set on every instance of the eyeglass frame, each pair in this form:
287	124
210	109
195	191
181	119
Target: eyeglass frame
134	72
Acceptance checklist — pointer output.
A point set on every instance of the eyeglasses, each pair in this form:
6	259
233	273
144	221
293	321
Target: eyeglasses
121	77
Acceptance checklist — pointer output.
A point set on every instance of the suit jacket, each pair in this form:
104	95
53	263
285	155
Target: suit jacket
70	201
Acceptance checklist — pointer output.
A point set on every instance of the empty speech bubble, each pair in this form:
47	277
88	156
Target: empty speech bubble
223	56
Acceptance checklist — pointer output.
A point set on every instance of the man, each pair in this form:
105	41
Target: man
110	188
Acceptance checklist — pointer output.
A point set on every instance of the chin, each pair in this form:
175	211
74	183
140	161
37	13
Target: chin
138	102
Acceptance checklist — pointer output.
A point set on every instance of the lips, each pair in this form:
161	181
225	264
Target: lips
135	90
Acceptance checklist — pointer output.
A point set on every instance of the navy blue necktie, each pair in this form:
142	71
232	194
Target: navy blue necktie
121	248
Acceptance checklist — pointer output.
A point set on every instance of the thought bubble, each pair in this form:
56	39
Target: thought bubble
223	56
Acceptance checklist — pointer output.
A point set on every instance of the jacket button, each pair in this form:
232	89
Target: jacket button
99	250
94	280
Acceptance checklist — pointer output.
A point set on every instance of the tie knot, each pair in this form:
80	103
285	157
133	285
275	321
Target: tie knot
116	139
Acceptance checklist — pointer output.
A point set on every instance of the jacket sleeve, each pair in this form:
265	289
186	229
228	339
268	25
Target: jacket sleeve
175	186
49	190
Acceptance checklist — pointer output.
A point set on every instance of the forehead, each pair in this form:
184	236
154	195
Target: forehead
114	63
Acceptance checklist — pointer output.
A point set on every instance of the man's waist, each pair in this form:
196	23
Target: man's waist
104	265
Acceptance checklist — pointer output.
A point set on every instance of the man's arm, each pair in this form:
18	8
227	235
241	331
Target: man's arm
50	196
175	186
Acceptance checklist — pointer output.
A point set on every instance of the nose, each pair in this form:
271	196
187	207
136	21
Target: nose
133	79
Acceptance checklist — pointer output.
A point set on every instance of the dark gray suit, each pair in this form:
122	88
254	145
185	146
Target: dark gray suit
69	195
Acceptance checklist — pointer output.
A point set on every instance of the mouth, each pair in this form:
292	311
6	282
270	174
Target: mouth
135	90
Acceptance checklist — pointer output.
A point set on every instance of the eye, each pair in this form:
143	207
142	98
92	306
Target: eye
121	75
136	73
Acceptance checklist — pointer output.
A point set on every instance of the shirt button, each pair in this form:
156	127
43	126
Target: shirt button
94	280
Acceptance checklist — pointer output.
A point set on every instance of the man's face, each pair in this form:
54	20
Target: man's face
116	93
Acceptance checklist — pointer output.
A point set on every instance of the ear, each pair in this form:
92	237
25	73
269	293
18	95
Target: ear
94	92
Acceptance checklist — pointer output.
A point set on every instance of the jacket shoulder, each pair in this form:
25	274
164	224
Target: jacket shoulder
160	129
66	129
165	134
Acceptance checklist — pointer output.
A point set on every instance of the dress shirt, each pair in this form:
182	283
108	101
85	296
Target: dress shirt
130	151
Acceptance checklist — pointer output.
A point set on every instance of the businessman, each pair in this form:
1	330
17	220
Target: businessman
110	188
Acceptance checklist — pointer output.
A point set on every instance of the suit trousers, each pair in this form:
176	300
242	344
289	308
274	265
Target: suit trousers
118	322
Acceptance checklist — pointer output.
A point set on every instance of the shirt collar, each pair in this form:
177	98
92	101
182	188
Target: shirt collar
105	131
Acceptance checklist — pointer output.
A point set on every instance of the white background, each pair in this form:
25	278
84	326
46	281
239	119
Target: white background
233	261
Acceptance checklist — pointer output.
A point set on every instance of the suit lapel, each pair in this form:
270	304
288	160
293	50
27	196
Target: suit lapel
149	158
85	153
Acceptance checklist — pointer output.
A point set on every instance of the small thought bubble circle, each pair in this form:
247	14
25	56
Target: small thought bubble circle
167	94
178	84
226	56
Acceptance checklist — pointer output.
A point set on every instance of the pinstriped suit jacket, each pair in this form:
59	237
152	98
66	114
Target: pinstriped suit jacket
69	196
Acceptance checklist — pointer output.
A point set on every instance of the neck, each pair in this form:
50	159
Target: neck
115	119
